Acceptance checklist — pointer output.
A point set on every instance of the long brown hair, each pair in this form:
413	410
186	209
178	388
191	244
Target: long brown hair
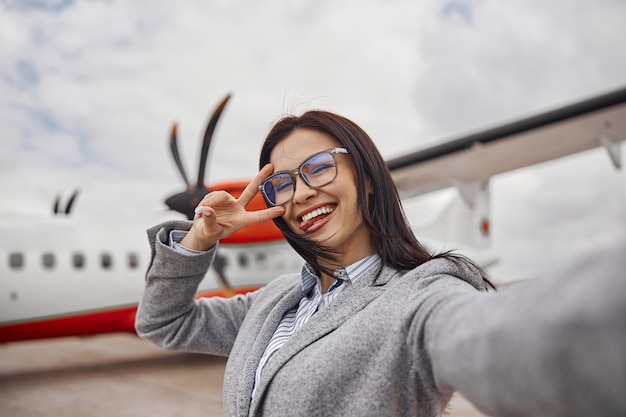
382	213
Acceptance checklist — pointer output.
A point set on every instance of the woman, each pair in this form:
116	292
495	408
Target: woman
373	325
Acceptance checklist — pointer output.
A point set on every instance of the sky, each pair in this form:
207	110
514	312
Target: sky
89	91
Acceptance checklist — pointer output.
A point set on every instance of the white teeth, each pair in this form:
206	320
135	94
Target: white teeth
317	212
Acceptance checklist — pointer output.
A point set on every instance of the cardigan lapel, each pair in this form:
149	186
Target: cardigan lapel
348	303
268	325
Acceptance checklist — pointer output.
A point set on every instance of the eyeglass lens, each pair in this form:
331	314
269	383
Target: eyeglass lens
317	171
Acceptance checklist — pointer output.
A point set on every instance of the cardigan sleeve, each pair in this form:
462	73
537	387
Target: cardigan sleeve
554	346
169	314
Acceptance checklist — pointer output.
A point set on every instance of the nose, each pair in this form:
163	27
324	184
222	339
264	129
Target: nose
303	192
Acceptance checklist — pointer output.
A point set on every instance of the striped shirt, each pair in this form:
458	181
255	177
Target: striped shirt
312	301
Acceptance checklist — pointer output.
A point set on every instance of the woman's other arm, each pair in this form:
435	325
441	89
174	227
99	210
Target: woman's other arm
554	346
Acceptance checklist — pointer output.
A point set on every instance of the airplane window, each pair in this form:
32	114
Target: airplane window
243	260
261	260
107	261
48	260
78	260
133	260
16	260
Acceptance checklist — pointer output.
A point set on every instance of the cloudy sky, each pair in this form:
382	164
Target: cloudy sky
89	90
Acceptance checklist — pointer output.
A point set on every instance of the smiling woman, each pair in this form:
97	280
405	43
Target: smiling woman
326	216
373	324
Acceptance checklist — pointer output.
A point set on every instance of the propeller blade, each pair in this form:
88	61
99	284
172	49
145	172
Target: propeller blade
186	201
219	263
57	202
207	139
176	155
70	202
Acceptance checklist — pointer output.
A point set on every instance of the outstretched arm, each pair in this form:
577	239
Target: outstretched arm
548	347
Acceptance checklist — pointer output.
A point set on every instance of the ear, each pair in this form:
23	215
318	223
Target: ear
368	186
369	194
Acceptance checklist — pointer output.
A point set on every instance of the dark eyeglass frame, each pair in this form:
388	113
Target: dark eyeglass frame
294	173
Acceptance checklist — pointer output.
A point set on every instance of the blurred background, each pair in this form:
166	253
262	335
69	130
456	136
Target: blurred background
90	89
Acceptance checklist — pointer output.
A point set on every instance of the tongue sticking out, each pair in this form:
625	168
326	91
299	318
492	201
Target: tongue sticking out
317	220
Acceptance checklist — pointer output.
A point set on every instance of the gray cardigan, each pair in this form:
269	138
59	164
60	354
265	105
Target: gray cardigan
392	344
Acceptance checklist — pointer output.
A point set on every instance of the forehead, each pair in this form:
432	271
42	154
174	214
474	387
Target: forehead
290	152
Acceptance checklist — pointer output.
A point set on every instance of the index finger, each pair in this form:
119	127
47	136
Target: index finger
253	187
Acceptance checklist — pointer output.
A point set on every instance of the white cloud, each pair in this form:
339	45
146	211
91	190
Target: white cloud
89	90
515	59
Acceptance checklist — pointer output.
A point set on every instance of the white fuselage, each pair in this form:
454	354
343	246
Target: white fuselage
60	265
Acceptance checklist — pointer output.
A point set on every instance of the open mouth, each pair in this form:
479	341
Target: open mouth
315	217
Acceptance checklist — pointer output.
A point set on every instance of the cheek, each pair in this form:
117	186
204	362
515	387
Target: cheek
288	219
286	216
351	196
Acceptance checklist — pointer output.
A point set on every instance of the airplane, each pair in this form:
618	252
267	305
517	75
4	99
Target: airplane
468	163
57	280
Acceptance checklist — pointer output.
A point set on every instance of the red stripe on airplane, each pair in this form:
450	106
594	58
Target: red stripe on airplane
86	323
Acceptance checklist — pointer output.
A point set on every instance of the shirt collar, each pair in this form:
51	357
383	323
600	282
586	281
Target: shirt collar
349	273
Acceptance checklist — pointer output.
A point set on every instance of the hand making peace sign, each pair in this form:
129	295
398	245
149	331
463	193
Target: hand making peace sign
220	214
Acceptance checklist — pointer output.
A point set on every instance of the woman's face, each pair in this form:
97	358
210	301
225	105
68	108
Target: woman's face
336	221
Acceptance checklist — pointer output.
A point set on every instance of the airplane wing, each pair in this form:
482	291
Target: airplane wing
599	121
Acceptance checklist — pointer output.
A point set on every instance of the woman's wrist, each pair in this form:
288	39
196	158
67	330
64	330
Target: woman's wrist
190	241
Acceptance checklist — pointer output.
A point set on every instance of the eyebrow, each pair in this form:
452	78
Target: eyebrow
304	158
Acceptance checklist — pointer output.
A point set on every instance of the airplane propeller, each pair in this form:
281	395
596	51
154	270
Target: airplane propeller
185	202
56	209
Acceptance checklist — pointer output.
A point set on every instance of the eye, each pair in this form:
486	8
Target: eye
282	183
320	168
318	165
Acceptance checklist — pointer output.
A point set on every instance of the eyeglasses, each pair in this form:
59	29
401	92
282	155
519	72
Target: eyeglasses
318	170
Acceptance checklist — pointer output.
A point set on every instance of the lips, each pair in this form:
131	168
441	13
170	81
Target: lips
314	219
